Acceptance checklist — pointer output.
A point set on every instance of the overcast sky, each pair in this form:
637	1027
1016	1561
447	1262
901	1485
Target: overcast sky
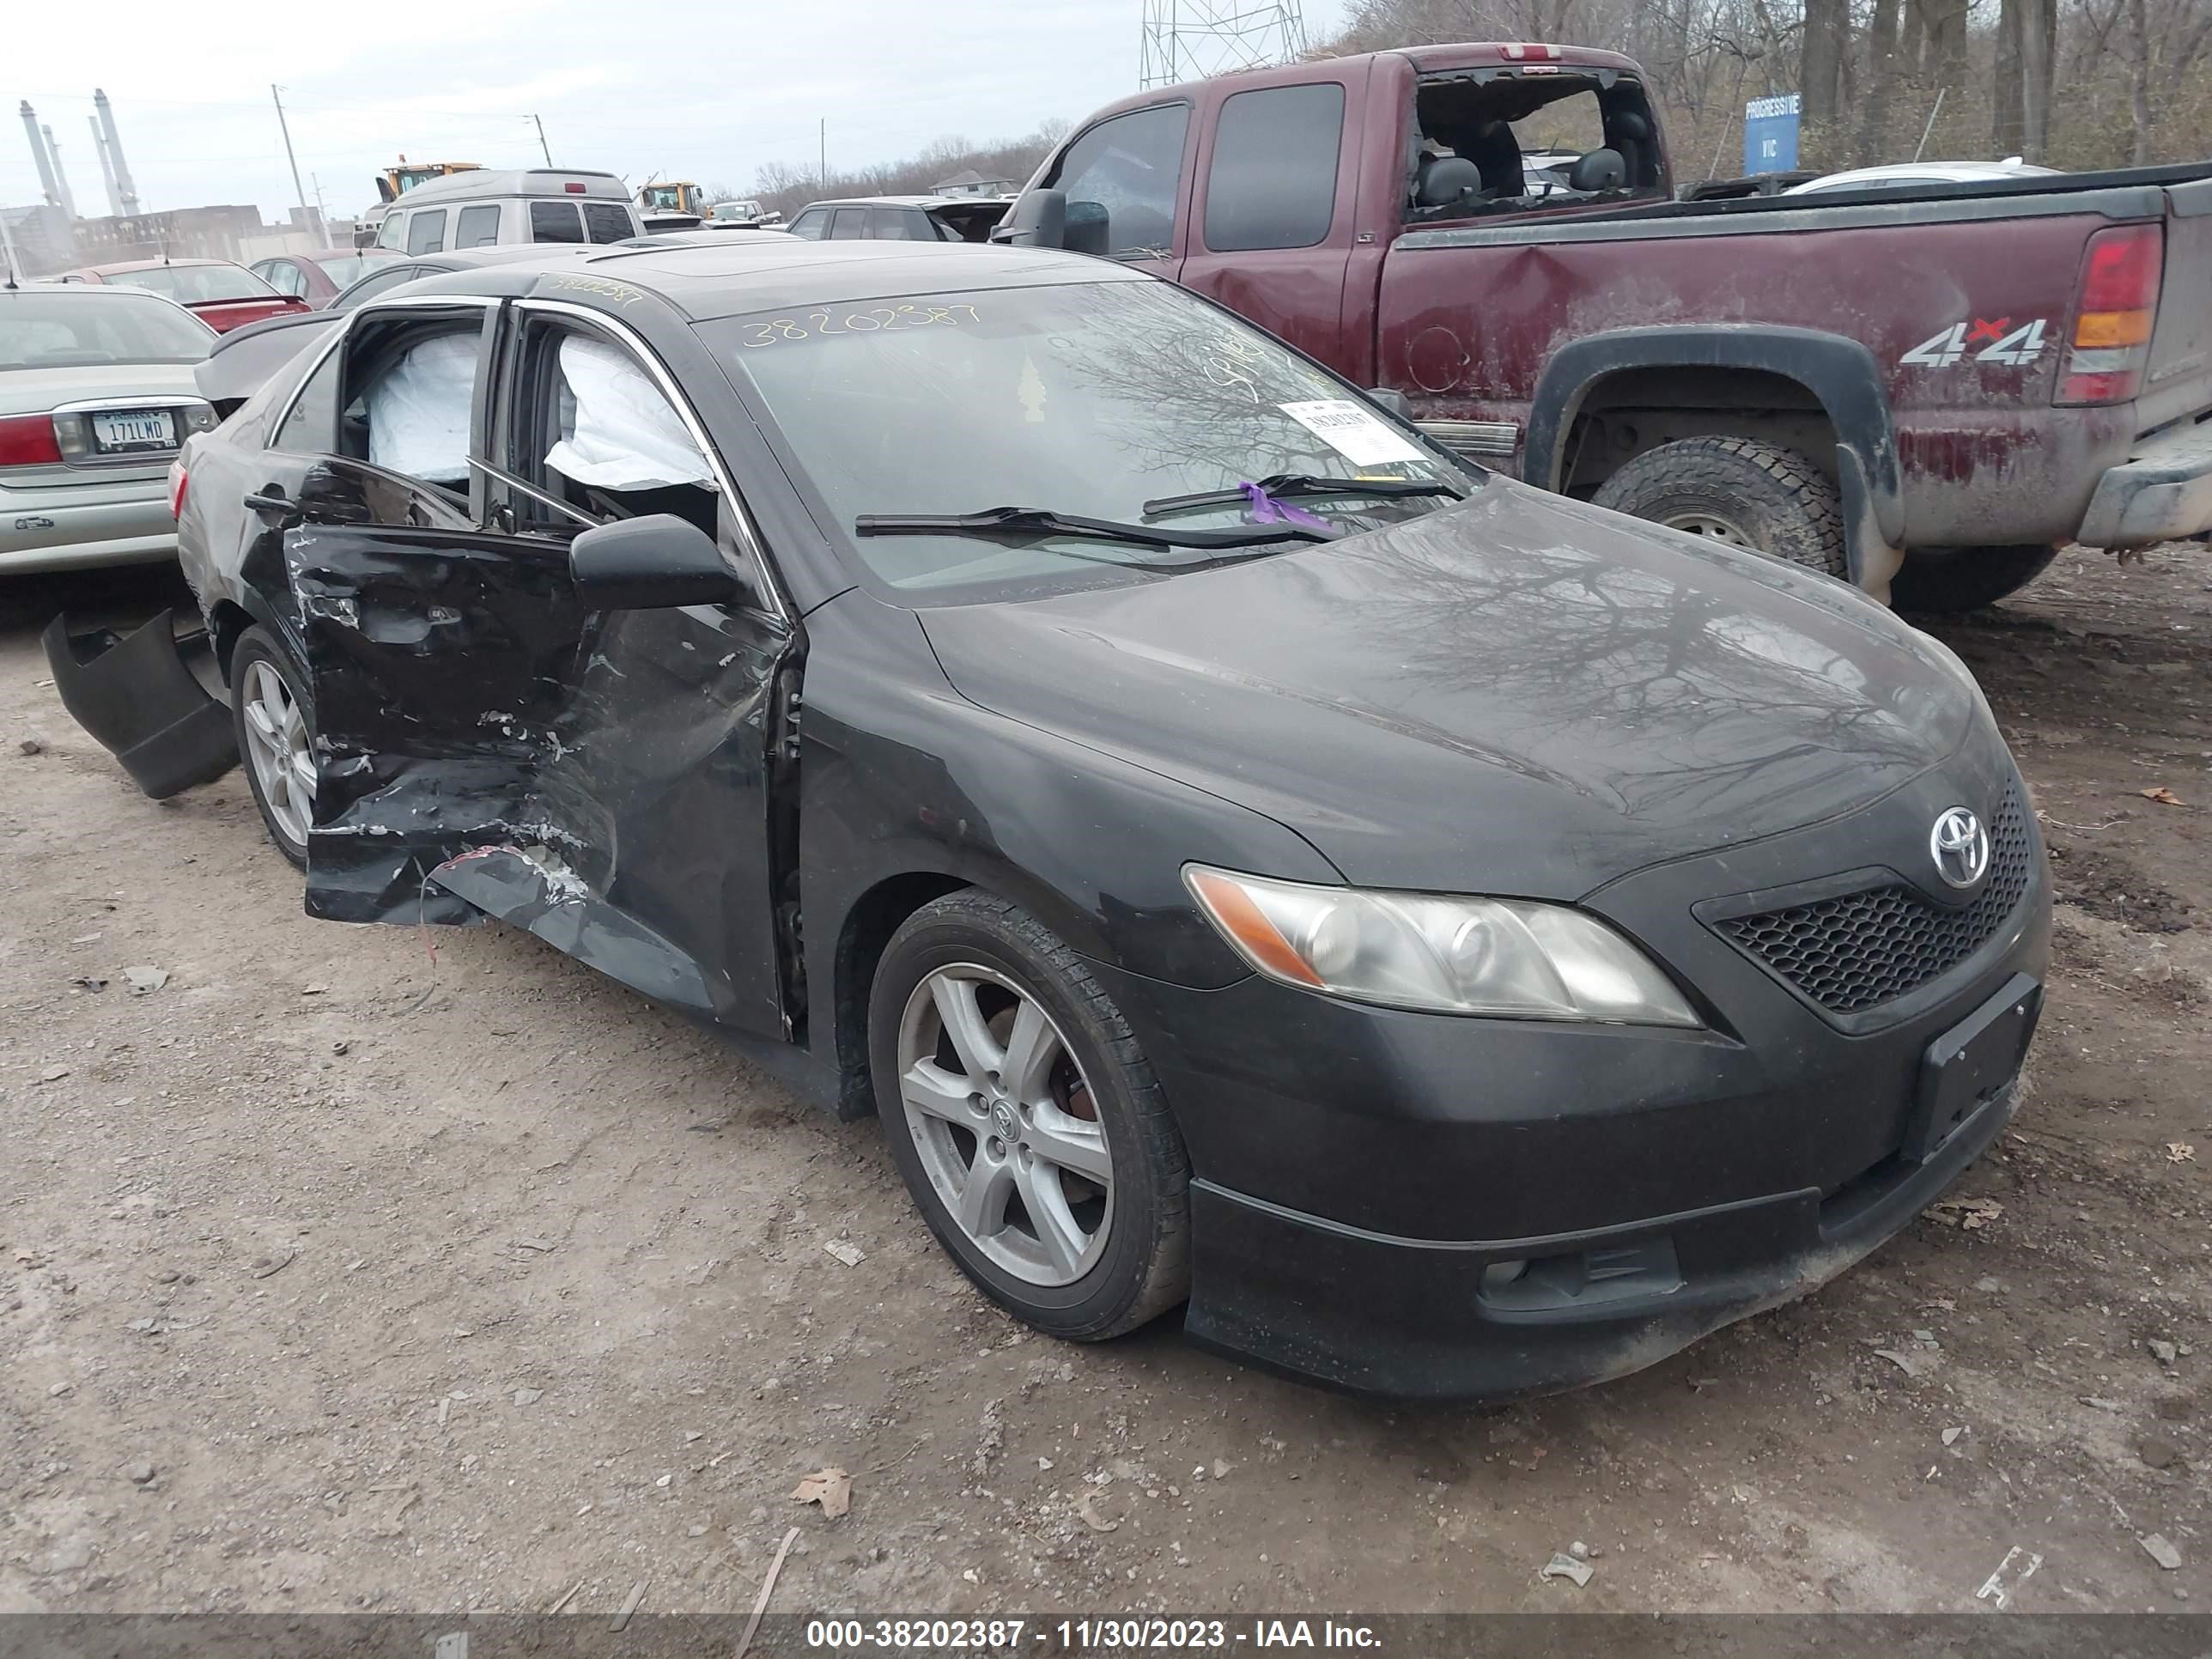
671	88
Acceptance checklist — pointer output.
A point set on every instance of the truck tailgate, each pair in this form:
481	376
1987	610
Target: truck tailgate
2177	382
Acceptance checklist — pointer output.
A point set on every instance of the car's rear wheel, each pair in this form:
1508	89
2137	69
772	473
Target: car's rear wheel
1026	1120
1741	491
275	724
1946	580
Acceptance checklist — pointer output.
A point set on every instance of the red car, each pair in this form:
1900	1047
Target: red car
222	295
317	276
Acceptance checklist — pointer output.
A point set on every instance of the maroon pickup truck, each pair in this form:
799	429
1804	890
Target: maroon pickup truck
1925	390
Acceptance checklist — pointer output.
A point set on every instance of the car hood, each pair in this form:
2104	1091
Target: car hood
32	391
1518	695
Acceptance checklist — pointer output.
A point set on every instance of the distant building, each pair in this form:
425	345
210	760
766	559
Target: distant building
969	182
40	236
200	233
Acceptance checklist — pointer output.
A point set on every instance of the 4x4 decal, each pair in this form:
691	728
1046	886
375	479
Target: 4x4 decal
2019	347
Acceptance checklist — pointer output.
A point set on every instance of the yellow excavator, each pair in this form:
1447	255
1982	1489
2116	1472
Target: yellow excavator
672	204
395	181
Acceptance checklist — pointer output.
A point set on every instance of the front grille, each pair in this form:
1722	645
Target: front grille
1863	949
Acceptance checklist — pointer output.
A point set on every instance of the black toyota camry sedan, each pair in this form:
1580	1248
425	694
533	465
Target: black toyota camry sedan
1451	939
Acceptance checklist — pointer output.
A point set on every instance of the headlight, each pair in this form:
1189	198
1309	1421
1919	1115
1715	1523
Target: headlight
1456	956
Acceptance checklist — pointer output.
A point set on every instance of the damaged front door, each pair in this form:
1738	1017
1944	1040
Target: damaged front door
586	760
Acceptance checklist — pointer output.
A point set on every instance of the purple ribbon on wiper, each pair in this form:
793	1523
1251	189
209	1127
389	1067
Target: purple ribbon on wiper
1265	509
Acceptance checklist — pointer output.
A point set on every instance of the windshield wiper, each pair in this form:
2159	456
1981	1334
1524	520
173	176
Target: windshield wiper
1305	483
1042	521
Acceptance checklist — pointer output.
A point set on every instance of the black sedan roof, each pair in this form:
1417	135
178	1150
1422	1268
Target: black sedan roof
750	274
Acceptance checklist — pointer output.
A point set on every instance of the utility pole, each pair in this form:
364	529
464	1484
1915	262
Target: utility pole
321	211
322	235
542	149
821	137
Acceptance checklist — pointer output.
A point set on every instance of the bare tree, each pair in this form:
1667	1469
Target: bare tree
1820	67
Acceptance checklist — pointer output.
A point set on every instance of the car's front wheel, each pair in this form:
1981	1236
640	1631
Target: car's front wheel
275	724
1026	1121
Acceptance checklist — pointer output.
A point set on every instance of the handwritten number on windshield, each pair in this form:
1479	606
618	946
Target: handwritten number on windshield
877	318
1228	370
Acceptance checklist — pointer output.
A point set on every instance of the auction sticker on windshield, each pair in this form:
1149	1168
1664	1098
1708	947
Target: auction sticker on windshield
1352	432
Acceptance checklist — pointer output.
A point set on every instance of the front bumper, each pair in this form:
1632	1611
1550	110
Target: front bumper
2161	493
1417	1319
1357	1170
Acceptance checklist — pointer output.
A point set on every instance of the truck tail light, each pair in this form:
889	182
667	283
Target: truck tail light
177	482
29	440
1523	51
2120	276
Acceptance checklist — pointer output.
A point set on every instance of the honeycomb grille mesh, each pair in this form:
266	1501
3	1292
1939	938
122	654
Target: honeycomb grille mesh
1861	950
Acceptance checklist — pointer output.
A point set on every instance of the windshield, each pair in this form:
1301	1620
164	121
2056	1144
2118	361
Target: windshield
192	284
1090	400
71	329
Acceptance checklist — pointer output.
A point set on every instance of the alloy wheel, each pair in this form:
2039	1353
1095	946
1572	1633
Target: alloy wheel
278	748
1005	1124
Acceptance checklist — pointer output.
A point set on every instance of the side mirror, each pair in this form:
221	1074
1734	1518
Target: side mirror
1086	230
1393	400
1038	218
650	563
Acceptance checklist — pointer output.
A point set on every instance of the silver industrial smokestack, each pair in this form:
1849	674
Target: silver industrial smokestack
38	149
61	172
107	173
125	192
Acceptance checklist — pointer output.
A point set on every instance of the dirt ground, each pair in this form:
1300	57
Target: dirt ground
333	1276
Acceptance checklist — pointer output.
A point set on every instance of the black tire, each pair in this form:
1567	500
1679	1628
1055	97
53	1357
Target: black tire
1773	499
1943	581
258	645
1143	1268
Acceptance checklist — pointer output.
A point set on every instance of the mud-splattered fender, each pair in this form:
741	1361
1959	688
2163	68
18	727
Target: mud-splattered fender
1841	372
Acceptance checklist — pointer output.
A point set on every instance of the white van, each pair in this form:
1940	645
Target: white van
493	208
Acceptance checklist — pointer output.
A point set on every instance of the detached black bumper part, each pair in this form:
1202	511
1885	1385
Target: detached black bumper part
139	700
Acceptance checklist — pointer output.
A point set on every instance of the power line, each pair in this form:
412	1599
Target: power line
1197	40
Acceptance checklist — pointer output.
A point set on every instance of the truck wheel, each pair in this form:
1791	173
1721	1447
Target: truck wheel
1740	491
1946	580
1027	1122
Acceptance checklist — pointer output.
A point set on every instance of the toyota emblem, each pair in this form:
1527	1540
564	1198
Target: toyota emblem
1961	847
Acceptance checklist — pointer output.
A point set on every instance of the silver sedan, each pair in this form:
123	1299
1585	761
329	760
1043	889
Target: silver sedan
96	399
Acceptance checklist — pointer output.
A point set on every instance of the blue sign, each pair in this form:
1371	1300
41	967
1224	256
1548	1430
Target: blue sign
1769	134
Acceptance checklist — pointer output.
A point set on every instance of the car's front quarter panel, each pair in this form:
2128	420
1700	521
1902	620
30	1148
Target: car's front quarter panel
901	776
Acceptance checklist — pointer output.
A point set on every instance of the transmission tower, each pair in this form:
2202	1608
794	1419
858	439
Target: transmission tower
1192	39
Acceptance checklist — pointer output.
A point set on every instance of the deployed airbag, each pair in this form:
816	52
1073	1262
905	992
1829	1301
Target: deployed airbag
418	411
627	436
